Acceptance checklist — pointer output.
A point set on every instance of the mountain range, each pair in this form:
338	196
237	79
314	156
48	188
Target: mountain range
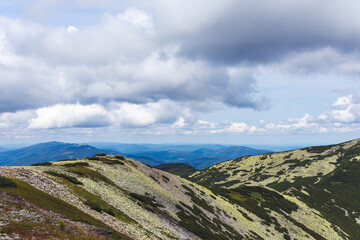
198	156
44	152
309	193
2	149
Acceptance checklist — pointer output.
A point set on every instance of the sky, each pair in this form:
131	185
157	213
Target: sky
238	72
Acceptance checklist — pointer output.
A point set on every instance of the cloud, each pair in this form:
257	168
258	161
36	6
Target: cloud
70	115
40	9
305	123
165	117
195	52
343	117
233	31
67	65
346	109
157	63
138	18
72	29
116	114
15	119
141	115
321	61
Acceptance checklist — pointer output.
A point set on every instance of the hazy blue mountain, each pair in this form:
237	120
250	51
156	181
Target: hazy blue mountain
146	147
2	149
144	159
280	148
43	152
123	147
198	155
199	158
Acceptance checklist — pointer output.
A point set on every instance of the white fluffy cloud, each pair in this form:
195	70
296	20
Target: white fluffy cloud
346	109
70	115
343	117
121	114
168	117
140	115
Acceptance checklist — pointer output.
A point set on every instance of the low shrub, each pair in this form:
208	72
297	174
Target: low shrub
97	207
93	205
7	182
69	178
76	164
42	164
166	179
111	162
109	211
120	157
61	225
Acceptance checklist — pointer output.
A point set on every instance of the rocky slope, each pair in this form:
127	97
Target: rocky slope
113	197
325	178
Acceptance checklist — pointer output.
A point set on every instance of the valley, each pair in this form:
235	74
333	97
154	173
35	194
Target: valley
309	193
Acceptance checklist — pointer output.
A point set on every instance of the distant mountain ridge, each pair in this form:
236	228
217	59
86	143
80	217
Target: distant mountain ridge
198	156
43	152
2	149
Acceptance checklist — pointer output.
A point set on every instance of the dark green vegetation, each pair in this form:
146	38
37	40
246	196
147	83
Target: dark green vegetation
64	176
212	176
93	205
120	157
149	203
93	201
195	220
96	203
337	197
259	200
48	202
198	224
42	164
7	182
76	164
100	154
181	169
96	206
104	159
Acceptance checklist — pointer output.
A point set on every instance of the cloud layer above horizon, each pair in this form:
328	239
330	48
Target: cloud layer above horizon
165	65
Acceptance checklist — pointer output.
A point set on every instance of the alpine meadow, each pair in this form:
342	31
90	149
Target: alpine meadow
179	120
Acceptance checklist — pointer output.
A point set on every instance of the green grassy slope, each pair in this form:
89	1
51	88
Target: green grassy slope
325	178
145	203
180	169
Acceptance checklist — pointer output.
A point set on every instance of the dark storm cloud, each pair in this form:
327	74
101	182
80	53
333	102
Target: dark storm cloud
263	31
